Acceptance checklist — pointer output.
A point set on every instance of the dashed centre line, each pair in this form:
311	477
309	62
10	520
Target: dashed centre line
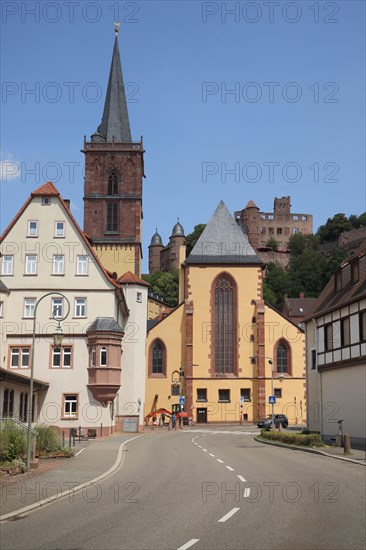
229	468
228	515
204	450
188	544
242	479
219	460
213	456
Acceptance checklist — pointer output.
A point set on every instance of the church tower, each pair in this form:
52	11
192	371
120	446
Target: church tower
114	168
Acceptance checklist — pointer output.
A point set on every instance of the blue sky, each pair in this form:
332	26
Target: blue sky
235	101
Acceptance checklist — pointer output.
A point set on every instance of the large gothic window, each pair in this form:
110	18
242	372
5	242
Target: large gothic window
224	322
283	357
157	358
113	184
112	216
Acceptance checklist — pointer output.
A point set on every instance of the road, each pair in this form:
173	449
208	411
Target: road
209	490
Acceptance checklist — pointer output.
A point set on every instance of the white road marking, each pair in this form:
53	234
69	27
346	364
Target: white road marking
246	492
229	468
81	450
242	478
221	461
212	455
228	515
188	544
204	450
195	443
200	446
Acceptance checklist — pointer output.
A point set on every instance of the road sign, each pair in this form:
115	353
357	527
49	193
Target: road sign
182	400
272	400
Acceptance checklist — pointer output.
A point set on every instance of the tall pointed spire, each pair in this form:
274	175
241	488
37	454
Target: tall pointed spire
115	122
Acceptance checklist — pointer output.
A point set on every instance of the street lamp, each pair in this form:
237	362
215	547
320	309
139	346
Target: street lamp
280	378
57	340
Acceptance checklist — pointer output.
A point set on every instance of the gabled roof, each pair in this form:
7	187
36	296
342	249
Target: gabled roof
50	189
223	242
131	279
115	122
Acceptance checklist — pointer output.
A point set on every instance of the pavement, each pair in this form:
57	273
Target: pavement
94	460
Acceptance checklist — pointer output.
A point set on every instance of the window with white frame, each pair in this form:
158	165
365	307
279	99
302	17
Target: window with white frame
103	357
70	405
82	264
62	357
7	265
19	357
58	265
32	228
29	306
59	229
80	307
57	308
31	264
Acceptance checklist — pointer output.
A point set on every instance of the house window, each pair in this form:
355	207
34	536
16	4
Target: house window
328	337
263	216
23	407
82	265
139	297
8	403
295	217
61	357
282	357
29	306
224	396
279	230
263	230
224	323
157	358
245	394
112	216
70	407
7	265
57	308
271	231
362	320
46	201
313	359
355	272
201	394
338	280
295	230
59	229
304	218
80	307
270	216
31	264
20	357
58	267
113	184
32	228
103	357
93	357
345	332
278	393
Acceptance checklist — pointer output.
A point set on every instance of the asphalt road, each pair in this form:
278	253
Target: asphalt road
206	490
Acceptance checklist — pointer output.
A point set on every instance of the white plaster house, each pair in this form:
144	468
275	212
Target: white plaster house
336	354
93	379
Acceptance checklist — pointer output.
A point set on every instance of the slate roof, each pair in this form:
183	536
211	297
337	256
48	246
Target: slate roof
223	242
105	324
115	122
298	307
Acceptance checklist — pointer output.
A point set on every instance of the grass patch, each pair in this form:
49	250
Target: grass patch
298	439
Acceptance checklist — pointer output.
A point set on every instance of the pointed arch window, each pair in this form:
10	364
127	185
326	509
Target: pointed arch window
113	184
283	357
157	359
224	311
103	357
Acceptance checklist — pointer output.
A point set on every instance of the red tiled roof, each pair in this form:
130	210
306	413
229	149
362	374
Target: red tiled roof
131	278
47	188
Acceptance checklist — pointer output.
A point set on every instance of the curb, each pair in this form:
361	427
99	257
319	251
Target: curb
306	450
49	500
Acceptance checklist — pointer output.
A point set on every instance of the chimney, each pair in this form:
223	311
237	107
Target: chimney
302	295
67	203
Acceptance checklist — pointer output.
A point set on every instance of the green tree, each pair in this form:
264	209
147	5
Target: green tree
276	284
166	284
300	242
193	237
273	243
334	227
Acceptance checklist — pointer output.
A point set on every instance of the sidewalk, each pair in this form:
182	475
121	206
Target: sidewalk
92	462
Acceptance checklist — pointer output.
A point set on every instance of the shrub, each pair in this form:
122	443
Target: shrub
300	439
47	439
13	441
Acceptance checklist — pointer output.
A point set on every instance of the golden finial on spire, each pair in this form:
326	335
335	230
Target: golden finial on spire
116	27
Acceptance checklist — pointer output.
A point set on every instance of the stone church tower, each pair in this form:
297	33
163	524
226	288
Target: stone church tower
114	168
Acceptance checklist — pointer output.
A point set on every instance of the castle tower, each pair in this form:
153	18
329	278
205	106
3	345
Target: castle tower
249	218
114	168
176	240
156	246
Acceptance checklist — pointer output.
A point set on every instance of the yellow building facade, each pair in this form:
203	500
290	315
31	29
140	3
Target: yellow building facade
219	346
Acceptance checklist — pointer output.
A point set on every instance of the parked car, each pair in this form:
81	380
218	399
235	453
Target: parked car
277	418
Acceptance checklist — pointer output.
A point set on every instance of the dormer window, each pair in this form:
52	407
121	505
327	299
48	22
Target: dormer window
355	272
338	281
113	184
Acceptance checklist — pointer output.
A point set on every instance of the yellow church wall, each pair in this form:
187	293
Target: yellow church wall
118	258
171	331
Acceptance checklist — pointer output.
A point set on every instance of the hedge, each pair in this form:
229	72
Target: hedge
300	439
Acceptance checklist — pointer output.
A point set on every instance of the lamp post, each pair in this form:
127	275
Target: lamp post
57	340
181	376
280	378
